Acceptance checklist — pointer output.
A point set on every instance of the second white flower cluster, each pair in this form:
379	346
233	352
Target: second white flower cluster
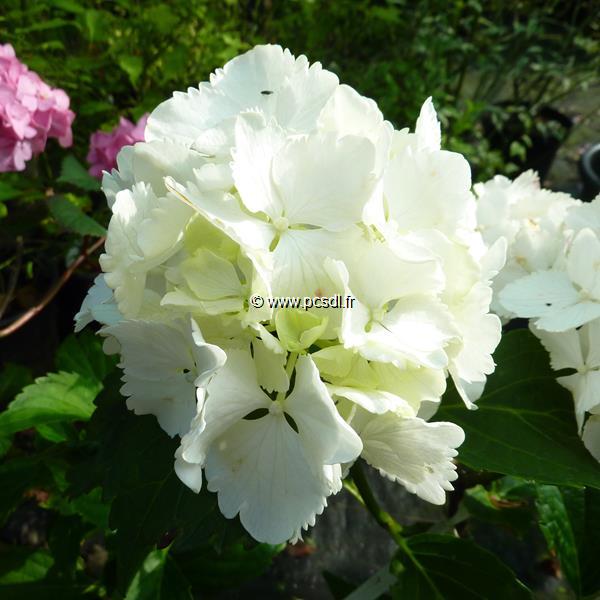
552	276
273	179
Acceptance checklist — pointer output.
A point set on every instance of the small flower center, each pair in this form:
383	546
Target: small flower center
281	224
276	408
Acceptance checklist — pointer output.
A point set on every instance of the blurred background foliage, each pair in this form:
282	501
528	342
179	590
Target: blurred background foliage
498	72
487	64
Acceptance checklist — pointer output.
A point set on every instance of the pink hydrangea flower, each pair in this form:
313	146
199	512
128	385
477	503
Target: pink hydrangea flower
30	112
104	146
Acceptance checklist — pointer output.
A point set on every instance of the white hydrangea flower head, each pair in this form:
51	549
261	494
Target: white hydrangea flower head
551	276
273	180
531	220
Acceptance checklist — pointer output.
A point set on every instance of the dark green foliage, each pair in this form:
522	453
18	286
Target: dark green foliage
443	566
522	397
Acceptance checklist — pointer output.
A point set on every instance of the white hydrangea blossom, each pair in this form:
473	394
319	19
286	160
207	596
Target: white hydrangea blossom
552	275
274	180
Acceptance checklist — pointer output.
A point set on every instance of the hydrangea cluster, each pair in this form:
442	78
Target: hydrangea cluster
275	180
105	145
30	112
551	276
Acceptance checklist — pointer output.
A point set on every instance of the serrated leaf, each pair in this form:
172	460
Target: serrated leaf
74	173
55	398
83	354
524	424
454	568
159	578
72	218
13	379
558	531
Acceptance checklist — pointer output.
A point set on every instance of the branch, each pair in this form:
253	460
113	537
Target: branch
51	293
14	277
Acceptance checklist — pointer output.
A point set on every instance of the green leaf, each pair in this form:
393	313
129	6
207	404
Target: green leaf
12	380
54	401
72	218
557	529
132	458
55	398
91	507
83	354
63	590
488	506
8	192
570	521
73	172
207	569
21	565
159	578
453	568
68	6
525	423
66	535
133	66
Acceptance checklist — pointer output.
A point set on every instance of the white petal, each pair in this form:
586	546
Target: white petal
480	333
189	473
564	348
323	432
232	394
585	388
324	180
590	337
375	401
413	452
591	436
260	470
97	295
162	364
541	293
298	262
270	367
418	328
569	316
224	211
256	143
583	262
427	129
211	277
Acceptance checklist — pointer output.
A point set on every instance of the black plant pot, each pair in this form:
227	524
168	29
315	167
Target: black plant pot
589	169
544	144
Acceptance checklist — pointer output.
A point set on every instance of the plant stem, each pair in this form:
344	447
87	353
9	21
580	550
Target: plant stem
383	518
361	490
49	296
291	363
